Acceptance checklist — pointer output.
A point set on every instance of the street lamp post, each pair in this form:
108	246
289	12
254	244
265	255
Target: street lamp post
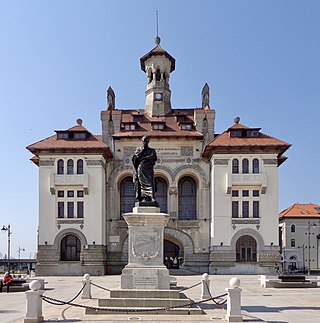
309	225
19	251
4	228
303	262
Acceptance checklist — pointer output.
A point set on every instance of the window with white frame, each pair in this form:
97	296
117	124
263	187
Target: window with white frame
70	203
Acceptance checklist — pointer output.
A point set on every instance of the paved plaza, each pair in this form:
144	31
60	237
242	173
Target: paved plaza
299	305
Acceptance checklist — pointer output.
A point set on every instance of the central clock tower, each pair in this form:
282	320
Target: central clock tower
158	64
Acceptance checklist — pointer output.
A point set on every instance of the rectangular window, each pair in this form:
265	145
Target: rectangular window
60	209
70	194
245	209
136	118
245	193
158	126
236	133
235	209
79	193
80	210
79	135
293	242
60	193
70	209
235	193
63	135
186	126
255	209
255	193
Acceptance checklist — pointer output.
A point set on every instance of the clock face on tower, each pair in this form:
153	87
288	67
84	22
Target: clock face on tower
158	96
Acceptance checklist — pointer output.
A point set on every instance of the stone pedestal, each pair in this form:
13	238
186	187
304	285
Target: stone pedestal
145	269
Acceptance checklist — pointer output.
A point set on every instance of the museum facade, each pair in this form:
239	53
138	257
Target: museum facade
220	190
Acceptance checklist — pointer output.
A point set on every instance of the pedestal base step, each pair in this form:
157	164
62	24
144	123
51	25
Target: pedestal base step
122	311
142	302
144	293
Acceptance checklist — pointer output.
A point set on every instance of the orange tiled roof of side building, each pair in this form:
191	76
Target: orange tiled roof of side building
145	122
91	142
225	141
301	211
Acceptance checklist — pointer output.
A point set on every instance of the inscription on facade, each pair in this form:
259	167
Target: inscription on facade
47	162
221	161
246	221
270	161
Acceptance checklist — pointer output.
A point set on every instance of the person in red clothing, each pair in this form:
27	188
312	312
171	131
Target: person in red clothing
6	281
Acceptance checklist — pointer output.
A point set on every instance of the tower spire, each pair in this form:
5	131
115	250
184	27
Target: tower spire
157	39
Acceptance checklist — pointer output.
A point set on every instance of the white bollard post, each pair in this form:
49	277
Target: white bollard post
86	293
234	301
34	303
205	293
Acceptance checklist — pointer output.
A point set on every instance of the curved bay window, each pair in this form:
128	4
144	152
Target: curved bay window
235	166
187	190
246	249
80	166
70	248
245	166
255	166
60	166
70	167
162	194
127	195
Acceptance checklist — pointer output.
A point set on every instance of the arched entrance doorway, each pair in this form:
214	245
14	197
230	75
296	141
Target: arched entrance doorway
173	254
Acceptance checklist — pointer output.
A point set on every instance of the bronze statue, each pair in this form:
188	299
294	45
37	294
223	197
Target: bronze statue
143	161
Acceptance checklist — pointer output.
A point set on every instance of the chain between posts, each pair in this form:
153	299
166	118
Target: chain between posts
55	301
100	287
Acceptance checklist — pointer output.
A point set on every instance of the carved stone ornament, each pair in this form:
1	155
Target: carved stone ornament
187	151
46	162
146	247
221	162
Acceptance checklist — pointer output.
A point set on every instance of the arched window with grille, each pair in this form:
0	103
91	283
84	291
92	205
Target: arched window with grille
246	249
255	166
60	167
245	166
235	166
70	248
187	190
127	195
162	194
70	165
80	166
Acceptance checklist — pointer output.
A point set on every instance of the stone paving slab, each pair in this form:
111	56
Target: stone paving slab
272	305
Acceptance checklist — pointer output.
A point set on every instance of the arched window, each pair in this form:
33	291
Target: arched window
246	249
60	169
70	248
158	75
293	263
187	190
235	166
80	166
293	228
70	166
245	166
127	195
255	166
162	194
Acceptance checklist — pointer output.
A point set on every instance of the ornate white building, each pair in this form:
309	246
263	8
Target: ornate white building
300	237
221	191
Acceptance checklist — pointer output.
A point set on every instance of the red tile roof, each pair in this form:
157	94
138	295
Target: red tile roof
144	125
92	143
226	143
301	211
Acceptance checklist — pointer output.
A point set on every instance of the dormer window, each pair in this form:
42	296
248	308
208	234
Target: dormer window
186	126
158	125
235	133
80	135
181	118
63	135
129	126
252	133
136	118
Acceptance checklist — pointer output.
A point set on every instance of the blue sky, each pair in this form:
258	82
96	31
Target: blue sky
57	58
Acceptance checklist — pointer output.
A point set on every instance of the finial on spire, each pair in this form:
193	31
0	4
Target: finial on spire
157	39
237	120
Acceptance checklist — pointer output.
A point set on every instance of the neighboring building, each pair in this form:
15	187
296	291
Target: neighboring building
300	237
221	191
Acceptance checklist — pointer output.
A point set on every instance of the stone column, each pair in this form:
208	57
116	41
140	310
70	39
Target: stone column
234	301
145	269
34	303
